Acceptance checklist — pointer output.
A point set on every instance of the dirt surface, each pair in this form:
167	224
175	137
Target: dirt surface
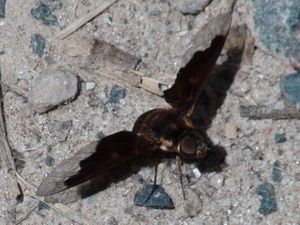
157	33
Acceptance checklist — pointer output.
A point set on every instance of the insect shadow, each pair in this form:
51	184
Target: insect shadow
210	100
213	95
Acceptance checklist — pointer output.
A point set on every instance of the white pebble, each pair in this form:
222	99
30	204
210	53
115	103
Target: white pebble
90	86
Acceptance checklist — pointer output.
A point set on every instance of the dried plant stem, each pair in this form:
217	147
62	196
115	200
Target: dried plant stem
84	19
264	112
26	215
8	165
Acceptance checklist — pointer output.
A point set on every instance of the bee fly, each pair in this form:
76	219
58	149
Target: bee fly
167	130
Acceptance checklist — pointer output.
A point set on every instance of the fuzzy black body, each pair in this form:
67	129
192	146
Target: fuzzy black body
162	128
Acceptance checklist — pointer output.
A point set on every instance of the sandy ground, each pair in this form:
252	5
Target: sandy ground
158	33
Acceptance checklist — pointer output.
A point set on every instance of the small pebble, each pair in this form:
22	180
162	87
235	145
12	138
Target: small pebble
49	160
268	201
127	110
197	173
52	88
268	131
186	169
277	173
44	13
89	86
145	173
230	131
37	44
153	197
2	8
195	6
279	105
116	94
279	138
42	206
217	180
290	88
260	95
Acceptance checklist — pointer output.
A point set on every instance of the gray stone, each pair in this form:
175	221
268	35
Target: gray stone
217	180
279	138
116	94
2	8
277	172
44	13
90	86
230	130
52	88
153	197
37	44
261	95
194	7
49	160
290	88
43	206
268	201
277	22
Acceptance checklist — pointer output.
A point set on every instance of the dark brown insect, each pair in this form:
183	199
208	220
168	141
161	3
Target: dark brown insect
171	130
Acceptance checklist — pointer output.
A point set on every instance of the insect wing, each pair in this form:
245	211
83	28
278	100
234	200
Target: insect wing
199	59
91	161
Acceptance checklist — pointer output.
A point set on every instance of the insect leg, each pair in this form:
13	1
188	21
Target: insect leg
178	161
162	155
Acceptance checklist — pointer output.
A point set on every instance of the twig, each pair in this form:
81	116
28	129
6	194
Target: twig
25	184
152	85
149	84
23	217
263	112
7	158
84	19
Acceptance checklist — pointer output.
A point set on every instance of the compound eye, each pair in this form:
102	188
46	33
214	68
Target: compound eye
187	145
